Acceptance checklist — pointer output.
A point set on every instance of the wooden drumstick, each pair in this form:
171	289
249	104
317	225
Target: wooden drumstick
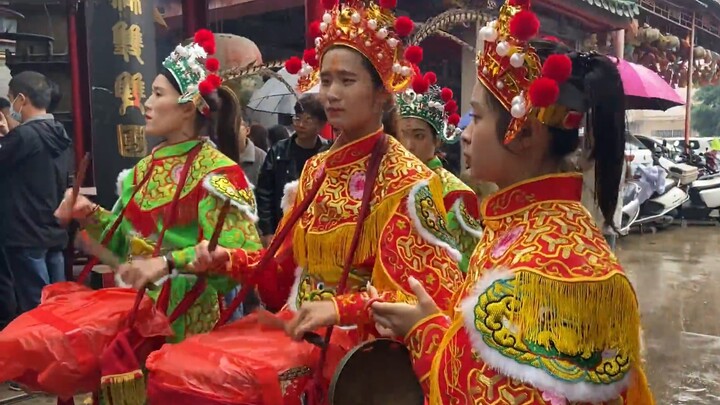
219	226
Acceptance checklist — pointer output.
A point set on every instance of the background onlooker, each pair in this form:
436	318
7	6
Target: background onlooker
285	161
34	174
5	110
251	157
259	135
277	133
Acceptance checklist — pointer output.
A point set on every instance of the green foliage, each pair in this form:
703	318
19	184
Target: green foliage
706	111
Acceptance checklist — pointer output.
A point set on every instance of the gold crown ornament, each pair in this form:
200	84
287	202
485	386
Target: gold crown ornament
368	27
510	68
195	70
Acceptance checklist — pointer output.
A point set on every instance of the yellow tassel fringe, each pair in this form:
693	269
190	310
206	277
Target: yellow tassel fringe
578	317
124	389
325	251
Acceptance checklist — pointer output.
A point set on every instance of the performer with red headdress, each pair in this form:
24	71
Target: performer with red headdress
546	314
428	118
168	202
365	212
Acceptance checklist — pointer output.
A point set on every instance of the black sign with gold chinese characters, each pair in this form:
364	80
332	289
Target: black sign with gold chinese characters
123	64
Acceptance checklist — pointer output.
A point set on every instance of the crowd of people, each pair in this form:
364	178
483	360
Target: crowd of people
517	295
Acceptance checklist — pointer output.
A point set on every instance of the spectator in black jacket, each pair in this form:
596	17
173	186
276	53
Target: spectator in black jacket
285	161
34	171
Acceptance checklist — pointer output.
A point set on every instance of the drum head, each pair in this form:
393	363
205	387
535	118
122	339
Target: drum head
378	372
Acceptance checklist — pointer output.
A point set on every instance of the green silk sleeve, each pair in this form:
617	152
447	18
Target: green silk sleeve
238	230
465	230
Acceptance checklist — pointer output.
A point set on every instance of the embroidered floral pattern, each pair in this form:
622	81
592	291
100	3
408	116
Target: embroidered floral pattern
553	398
357	185
505	241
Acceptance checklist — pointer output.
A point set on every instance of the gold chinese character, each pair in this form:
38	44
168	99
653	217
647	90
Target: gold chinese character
135	6
131	140
130	89
127	41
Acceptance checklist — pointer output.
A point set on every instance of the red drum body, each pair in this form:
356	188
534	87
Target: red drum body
243	363
56	347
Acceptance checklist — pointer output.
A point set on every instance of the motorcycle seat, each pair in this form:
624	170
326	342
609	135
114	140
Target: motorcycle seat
706	184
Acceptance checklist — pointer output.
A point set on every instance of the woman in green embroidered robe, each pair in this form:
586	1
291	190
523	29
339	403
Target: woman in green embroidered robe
428	119
177	111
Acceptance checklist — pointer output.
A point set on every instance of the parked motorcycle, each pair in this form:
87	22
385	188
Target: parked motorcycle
651	198
704	193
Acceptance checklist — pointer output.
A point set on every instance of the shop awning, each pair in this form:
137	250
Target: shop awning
623	8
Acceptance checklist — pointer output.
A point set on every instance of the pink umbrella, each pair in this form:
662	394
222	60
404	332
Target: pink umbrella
645	89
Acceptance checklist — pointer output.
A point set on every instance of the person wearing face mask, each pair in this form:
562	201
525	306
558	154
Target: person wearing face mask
428	118
34	172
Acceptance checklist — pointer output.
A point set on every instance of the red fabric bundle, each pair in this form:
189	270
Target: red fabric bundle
241	363
56	347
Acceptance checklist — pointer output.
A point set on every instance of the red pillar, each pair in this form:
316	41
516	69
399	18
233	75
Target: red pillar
313	11
77	95
195	16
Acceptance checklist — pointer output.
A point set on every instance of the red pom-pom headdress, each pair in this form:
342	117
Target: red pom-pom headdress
430	103
510	69
372	29
195	70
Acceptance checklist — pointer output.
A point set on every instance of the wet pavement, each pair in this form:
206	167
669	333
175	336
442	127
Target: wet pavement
677	276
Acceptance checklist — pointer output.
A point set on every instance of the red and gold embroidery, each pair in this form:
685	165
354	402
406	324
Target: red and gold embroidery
564	309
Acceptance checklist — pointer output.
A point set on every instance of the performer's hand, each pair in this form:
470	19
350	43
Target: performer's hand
82	210
312	315
266	240
142	272
205	260
396	319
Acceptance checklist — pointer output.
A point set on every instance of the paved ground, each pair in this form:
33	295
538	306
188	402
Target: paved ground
677	276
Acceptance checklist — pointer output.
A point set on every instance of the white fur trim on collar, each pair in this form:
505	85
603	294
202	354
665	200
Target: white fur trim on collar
289	196
540	379
429	237
248	210
292	299
477	233
120	180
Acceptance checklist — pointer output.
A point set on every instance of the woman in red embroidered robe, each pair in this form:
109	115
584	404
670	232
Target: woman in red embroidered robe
546	314
404	235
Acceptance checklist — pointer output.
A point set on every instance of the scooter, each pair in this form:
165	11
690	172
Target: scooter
657	210
704	193
631	206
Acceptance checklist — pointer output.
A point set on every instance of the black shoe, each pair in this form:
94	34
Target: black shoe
14	386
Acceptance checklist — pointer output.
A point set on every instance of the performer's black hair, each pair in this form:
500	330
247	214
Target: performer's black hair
597	77
223	113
